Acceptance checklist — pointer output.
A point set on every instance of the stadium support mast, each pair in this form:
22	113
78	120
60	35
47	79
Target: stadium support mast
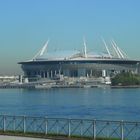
44	48
85	48
41	52
114	47
119	51
106	47
125	55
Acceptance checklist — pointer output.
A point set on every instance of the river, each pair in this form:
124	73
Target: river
88	103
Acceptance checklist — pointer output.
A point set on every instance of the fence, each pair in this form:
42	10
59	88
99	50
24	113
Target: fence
71	127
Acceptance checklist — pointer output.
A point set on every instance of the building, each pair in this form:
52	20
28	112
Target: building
78	64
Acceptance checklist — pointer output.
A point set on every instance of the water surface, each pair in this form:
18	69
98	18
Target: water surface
99	103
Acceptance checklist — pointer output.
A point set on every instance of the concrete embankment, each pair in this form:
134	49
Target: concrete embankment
17	86
41	86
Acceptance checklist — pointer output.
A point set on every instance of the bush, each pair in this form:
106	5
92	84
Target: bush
125	79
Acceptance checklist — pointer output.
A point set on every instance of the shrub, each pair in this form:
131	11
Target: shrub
126	78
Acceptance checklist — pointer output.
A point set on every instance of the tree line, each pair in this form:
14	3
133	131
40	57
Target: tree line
126	78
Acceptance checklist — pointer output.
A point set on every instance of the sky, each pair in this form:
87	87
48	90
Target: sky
25	25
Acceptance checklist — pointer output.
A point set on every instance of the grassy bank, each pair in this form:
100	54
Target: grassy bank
50	136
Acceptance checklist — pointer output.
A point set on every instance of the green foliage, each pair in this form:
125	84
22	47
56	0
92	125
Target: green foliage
125	79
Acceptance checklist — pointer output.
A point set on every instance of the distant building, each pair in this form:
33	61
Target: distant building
7	78
78	63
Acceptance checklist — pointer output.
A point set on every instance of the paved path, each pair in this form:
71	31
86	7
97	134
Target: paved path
18	138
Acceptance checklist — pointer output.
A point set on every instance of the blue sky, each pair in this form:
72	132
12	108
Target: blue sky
25	25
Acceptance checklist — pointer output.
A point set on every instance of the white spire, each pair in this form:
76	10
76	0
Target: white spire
85	48
106	47
112	43
44	48
41	52
122	54
125	55
117	48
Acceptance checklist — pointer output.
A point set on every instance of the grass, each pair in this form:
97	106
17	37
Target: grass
51	136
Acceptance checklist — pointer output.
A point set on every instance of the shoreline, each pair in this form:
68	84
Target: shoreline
128	86
35	86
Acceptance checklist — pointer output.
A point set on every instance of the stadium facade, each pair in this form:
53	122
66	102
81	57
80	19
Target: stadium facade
79	63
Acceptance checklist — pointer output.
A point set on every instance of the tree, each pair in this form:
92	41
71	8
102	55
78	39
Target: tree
126	78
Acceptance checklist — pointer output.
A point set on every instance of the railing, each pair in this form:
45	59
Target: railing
71	127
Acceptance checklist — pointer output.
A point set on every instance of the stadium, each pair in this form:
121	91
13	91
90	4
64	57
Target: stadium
77	64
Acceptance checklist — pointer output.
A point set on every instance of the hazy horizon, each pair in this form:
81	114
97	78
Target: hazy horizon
27	24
